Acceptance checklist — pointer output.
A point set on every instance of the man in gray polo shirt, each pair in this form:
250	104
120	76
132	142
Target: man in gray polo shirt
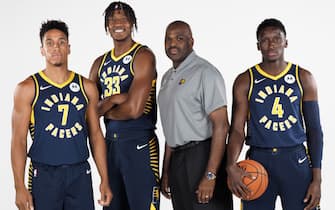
193	108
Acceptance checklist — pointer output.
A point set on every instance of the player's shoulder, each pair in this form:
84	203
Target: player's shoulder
145	51
303	71
242	80
99	59
306	77
25	89
86	82
144	58
27	83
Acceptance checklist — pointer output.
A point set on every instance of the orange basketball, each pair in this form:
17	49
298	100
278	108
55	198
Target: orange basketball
258	185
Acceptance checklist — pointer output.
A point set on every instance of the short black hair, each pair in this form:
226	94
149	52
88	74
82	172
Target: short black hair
53	24
118	5
271	22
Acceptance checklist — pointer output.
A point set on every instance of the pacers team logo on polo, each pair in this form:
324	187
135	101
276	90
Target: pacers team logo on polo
63	104
279	120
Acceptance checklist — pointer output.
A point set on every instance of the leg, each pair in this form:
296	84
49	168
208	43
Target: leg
295	184
196	168
116	180
186	171
268	199
47	187
180	192
140	170
79	192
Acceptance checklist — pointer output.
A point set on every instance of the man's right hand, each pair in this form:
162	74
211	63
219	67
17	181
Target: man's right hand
235	183
165	188
24	199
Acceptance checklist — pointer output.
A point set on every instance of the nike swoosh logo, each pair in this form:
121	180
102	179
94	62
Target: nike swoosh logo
301	160
106	63
88	171
45	87
139	147
259	80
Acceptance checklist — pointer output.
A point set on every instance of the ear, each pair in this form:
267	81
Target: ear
258	47
192	41
69	49
286	43
42	51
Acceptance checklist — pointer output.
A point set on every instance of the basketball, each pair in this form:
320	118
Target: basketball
258	185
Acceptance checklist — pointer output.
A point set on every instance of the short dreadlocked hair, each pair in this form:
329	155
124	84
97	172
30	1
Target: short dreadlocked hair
53	24
118	5
271	22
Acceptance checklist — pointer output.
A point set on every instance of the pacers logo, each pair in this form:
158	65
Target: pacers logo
182	81
62	105
277	98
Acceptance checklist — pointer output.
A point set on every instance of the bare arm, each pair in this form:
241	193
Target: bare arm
144	73
313	194
23	99
165	172
219	119
97	142
107	103
237	134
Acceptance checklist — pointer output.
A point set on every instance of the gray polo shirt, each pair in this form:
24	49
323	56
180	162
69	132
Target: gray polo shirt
187	96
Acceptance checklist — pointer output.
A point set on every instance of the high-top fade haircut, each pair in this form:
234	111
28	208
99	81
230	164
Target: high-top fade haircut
53	24
118	5
271	22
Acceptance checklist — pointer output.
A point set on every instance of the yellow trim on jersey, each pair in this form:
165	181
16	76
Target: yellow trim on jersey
250	87
265	74
149	102
251	83
131	63
82	87
154	159
30	177
119	57
37	92
300	87
298	79
102	63
41	73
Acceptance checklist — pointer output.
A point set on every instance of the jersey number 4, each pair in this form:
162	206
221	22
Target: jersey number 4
277	108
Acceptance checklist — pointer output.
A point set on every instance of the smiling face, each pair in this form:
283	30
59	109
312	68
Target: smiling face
178	42
119	26
272	42
55	47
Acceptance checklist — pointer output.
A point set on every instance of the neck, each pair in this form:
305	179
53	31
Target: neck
273	68
121	47
57	74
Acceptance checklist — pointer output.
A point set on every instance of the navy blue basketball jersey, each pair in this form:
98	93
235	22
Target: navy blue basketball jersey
275	108
115	76
58	121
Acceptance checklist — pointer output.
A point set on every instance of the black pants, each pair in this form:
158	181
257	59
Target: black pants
187	168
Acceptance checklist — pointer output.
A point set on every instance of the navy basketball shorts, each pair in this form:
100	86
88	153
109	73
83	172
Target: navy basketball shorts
289	177
65	187
133	169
